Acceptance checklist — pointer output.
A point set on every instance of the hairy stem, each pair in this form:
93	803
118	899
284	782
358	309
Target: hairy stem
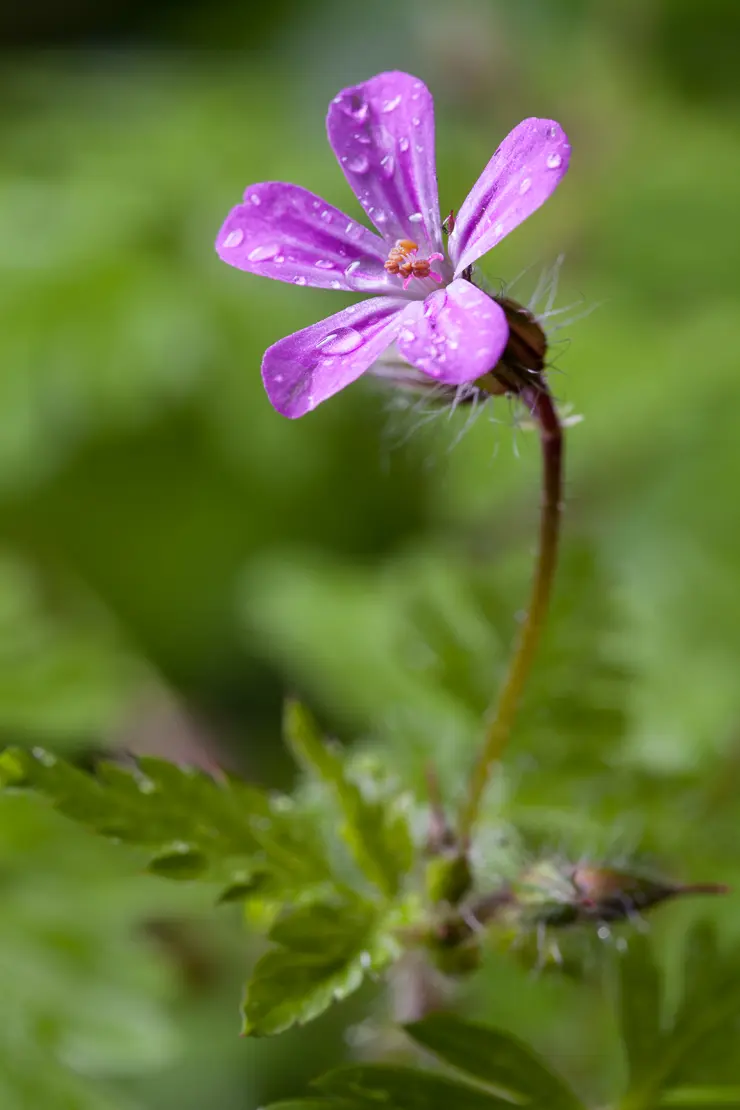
541	406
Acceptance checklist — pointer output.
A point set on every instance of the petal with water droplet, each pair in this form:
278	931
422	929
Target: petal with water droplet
401	177
295	236
306	368
456	335
522	174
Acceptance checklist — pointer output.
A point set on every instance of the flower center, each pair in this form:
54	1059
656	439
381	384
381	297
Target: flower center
402	260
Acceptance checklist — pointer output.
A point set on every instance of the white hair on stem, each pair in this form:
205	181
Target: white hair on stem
416	403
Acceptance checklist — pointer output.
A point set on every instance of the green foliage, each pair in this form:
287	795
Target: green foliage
434	643
83	997
404	1089
495	1058
376	833
696	1050
263	850
65	674
322	954
667	1062
143	475
192	825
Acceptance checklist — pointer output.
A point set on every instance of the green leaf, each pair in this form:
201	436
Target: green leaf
703	1050
640	997
193	826
405	1089
377	835
700	1048
323	953
698	1098
495	1057
313	1104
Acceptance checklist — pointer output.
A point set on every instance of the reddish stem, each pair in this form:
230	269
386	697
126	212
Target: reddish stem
540	403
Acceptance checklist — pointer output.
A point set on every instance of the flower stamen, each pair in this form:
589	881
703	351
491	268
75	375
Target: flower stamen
402	260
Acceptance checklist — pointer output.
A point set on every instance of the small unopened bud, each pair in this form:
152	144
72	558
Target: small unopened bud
604	894
552	895
523	360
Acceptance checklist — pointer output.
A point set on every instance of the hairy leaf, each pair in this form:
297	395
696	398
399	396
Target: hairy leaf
377	835
192	825
321	954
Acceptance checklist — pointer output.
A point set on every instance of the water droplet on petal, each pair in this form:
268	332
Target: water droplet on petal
498	229
419	148
336	285
415	218
354	106
299	281
352	268
254	199
359	164
388	165
553	161
552	132
403	144
525	186
407	335
341	342
310	402
354	230
278	377
263	253
378	215
416	121
234	238
391	105
326	216
324	264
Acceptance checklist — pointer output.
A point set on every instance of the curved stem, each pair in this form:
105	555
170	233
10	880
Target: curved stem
541	406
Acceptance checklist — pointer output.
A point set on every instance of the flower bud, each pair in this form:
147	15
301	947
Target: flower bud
605	895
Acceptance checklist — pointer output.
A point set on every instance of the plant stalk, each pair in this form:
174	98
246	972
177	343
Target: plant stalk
540	404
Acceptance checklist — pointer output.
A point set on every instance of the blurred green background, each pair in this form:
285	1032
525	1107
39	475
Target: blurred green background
175	556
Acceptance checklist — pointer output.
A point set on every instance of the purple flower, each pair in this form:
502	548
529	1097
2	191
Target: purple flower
382	132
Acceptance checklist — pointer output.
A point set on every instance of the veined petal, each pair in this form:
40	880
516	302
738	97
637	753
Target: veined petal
305	368
522	174
456	335
286	232
382	132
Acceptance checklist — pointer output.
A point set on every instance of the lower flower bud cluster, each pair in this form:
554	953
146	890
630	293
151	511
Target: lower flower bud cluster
547	896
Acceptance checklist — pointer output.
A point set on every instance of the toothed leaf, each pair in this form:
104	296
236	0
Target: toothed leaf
376	832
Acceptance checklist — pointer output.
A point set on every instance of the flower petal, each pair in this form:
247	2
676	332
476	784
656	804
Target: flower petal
456	335
522	174
285	232
305	368
382	132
